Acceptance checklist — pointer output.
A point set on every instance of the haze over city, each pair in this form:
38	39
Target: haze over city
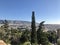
45	10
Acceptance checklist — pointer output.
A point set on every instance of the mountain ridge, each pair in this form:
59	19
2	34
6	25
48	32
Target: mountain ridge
18	23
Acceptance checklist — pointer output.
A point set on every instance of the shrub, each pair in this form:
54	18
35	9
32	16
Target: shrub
58	42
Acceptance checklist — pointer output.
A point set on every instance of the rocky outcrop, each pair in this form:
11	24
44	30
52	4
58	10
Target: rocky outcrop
2	42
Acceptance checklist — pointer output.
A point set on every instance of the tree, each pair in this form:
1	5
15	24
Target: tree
52	37
33	29
41	36
24	37
39	33
5	24
14	42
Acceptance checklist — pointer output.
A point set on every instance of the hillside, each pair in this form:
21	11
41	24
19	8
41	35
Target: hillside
17	23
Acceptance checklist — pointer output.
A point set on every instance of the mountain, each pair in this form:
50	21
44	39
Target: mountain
52	27
17	23
24	24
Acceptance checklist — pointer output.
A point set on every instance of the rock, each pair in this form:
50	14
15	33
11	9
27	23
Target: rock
2	42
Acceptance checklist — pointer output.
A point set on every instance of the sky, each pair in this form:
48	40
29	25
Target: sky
45	10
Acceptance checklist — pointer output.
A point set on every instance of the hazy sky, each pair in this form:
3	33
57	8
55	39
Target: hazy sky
45	10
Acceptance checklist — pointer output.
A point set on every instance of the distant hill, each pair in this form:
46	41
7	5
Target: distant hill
17	23
52	27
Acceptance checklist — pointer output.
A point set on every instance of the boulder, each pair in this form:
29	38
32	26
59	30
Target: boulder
2	42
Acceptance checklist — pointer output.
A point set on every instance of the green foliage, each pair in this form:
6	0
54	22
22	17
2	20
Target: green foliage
5	25
34	44
5	32
58	42
44	41
52	37
25	36
42	36
26	43
33	29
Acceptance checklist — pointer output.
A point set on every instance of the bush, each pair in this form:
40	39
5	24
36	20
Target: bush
34	44
26	43
58	42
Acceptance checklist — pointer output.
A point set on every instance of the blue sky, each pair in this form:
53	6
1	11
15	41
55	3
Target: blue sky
45	10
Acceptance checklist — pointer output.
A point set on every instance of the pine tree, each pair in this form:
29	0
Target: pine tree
33	30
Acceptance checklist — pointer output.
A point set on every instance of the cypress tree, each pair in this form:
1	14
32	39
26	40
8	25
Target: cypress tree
41	36
33	29
40	33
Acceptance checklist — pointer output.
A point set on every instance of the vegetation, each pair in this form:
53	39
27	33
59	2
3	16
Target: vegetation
33	30
27	37
58	42
52	37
